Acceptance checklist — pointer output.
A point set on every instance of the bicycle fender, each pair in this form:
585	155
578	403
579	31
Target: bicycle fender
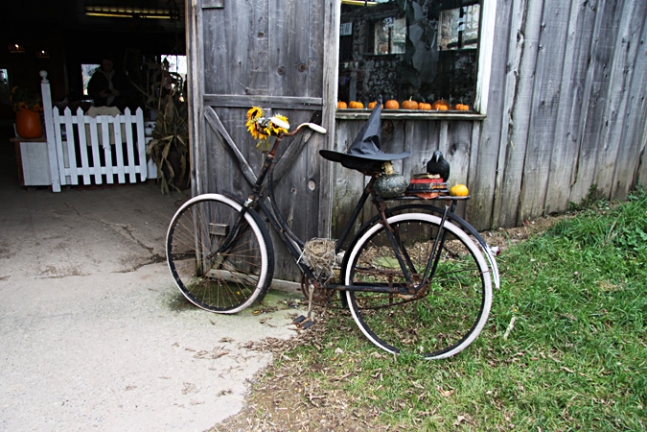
232	197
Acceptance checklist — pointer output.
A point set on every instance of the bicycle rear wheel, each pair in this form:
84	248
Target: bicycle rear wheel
219	261
446	314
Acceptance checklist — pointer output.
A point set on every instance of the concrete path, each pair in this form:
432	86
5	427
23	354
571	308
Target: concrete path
94	335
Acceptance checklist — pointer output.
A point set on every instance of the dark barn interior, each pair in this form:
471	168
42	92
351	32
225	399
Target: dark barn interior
60	36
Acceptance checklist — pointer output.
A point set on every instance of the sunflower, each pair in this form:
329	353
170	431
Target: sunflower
273	129
261	134
254	129
25	99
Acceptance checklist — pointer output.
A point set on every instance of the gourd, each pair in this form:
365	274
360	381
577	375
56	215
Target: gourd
459	190
462	107
425	106
389	184
356	105
342	105
371	105
392	104
410	104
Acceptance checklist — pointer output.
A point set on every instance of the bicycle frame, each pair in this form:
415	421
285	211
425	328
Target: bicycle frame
412	275
294	244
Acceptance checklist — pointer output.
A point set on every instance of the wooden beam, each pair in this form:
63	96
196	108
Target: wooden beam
214	121
276	102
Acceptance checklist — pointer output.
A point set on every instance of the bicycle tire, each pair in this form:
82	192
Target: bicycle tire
430	324
225	281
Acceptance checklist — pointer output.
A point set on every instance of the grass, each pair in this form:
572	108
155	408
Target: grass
564	349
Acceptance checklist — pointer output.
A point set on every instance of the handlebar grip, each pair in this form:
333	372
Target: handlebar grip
317	128
280	123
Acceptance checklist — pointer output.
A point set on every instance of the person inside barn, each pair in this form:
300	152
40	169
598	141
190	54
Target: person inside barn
109	86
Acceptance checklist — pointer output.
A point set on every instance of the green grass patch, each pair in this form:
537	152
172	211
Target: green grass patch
564	348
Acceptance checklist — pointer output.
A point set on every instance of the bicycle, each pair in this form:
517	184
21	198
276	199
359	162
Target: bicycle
416	277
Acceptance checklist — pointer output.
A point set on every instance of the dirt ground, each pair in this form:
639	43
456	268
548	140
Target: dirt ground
284	398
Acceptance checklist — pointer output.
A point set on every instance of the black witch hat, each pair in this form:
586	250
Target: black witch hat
366	146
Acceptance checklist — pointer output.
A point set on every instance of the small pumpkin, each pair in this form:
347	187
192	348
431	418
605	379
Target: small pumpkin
392	104
342	105
425	106
459	190
356	105
410	104
371	105
462	107
440	105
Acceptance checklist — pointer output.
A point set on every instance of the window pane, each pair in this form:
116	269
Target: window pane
177	64
459	28
86	71
419	49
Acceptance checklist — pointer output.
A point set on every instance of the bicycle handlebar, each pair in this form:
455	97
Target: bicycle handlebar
316	128
280	123
285	125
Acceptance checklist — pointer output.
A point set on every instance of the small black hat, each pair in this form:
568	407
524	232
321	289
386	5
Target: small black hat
366	146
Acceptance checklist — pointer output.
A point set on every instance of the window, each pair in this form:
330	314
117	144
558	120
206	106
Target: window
87	70
426	50
459	28
389	36
177	64
4	83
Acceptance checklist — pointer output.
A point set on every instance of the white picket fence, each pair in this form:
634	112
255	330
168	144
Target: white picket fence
93	150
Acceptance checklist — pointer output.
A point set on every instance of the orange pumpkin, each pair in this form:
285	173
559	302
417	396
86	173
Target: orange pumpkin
371	105
342	105
462	107
356	105
28	124
440	105
392	104
425	106
410	104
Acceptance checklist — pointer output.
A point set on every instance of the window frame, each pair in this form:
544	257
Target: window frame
484	54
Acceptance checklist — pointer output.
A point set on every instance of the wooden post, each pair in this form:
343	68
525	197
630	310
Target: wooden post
46	94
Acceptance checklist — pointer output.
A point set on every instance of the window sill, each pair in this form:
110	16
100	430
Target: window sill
363	114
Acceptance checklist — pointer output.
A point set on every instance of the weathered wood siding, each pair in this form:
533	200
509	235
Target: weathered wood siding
566	111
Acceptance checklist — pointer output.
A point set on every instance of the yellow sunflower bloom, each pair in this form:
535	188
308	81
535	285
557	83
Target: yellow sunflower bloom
253	115
275	130
261	134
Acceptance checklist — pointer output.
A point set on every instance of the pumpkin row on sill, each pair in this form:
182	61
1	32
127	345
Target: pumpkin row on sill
409	105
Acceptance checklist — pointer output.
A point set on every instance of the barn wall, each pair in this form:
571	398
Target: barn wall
566	111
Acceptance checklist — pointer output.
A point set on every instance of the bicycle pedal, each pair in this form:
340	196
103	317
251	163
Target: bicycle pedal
298	320
307	324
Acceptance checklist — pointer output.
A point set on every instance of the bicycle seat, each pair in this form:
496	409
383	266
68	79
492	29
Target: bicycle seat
365	154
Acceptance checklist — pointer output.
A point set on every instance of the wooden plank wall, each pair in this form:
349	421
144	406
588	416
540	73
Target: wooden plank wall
567	110
271	55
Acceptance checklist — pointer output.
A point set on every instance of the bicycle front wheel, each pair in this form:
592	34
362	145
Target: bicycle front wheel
221	260
446	313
